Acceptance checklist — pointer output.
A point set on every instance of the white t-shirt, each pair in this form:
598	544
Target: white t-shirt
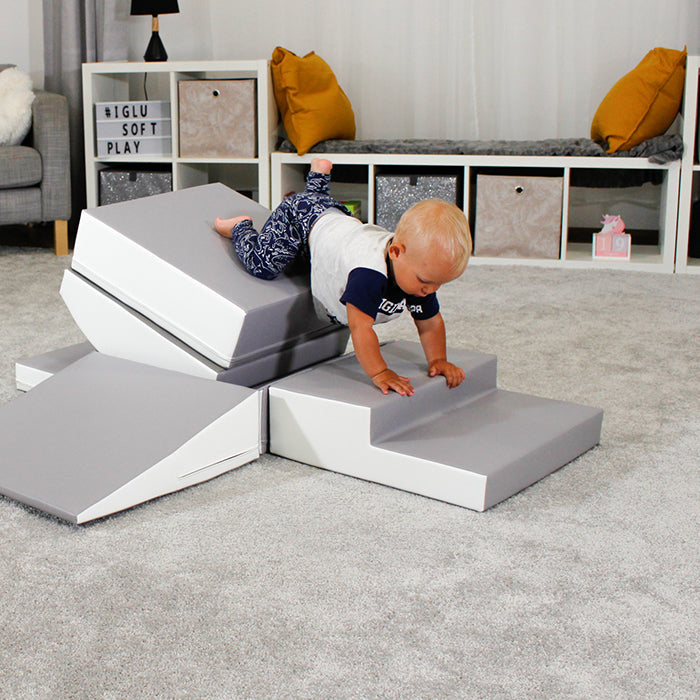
341	245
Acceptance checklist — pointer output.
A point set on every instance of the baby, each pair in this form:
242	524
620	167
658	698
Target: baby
362	274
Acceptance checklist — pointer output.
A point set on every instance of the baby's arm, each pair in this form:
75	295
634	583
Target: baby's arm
369	355
432	337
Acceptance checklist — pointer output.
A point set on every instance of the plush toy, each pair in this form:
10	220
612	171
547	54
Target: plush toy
16	97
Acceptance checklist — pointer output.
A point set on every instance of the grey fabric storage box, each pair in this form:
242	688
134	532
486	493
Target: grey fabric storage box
518	217
397	193
121	185
217	118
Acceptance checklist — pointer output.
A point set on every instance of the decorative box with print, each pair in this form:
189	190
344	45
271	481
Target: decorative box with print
133	128
612	241
120	185
396	193
217	118
518	217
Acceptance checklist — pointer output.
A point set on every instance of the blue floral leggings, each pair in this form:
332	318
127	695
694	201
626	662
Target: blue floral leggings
286	233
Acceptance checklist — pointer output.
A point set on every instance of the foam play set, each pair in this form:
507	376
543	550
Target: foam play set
192	367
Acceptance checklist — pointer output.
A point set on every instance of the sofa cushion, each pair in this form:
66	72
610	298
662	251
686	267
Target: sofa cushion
20	166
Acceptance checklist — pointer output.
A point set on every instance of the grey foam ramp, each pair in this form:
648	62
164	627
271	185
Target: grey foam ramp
472	446
30	371
105	434
115	329
161	257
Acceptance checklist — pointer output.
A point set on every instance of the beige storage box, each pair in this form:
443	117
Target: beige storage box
518	217
217	118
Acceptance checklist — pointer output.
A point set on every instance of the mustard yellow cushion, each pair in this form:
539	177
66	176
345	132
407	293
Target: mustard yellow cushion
643	103
312	104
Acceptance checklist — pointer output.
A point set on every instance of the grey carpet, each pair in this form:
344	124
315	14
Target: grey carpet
281	580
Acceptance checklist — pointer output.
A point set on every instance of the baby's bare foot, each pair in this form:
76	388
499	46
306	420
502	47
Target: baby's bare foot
224	226
321	165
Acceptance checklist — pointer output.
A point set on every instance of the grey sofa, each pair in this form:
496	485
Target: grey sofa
35	176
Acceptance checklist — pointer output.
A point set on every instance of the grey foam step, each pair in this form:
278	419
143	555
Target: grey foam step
472	446
105	434
161	257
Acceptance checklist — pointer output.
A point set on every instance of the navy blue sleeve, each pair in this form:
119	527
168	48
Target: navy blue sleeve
365	290
423	308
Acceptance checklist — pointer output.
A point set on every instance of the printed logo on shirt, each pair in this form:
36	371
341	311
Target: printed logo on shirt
415	308
389	307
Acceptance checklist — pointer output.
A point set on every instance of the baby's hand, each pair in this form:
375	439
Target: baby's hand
454	375
388	379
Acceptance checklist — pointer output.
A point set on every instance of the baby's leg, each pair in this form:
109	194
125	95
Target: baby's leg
318	181
267	253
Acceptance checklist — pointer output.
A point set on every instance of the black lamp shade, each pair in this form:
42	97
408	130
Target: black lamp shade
154	7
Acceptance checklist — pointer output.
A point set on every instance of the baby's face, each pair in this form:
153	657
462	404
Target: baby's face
418	272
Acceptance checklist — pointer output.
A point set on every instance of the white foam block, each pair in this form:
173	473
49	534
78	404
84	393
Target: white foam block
105	434
161	257
472	446
115	329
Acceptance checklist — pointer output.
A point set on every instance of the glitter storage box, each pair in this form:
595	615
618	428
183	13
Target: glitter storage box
122	184
395	193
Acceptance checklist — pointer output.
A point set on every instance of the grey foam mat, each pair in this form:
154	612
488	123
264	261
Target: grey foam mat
30	371
472	446
105	434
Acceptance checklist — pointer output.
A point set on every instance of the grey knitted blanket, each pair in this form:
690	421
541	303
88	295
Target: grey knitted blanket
661	149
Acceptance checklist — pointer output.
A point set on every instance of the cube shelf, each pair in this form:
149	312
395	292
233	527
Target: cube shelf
655	251
690	167
120	82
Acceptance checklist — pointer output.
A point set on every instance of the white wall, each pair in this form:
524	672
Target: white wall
22	37
422	68
464	68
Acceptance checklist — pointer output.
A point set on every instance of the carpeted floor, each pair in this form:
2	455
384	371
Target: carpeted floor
281	580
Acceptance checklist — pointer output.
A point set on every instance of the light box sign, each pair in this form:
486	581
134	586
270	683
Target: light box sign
126	129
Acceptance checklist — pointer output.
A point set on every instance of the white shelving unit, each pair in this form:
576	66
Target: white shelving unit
119	82
288	171
690	167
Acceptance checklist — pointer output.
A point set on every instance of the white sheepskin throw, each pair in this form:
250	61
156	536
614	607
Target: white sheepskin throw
16	99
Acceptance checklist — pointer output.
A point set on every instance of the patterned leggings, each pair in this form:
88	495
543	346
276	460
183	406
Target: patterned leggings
286	233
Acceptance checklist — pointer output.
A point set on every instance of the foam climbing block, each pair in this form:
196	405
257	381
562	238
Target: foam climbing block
114	329
30	371
472	446
161	257
117	330
105	434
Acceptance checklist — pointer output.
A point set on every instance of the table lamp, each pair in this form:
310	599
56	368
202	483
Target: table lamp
155	50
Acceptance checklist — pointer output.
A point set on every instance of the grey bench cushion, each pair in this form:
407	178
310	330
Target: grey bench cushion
660	149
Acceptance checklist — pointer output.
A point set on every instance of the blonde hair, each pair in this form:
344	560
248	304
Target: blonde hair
437	222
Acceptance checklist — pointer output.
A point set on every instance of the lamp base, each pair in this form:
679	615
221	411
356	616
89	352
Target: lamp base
155	51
